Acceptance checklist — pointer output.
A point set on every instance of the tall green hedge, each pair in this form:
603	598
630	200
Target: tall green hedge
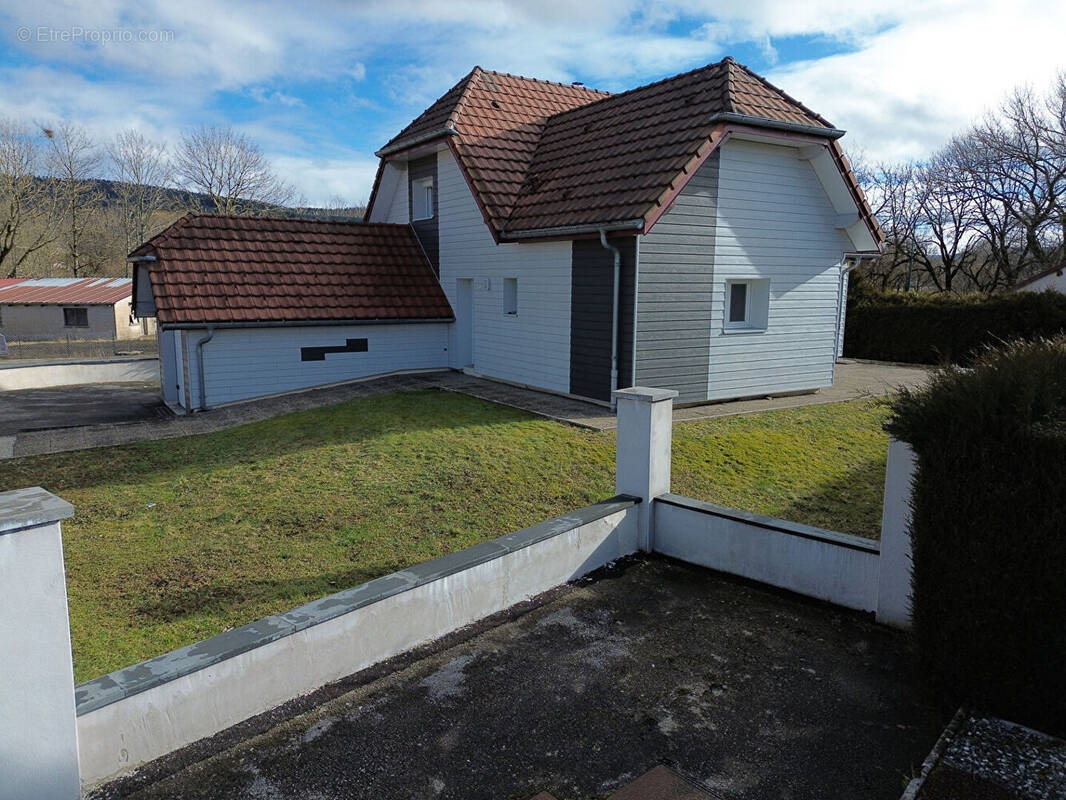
989	528
921	328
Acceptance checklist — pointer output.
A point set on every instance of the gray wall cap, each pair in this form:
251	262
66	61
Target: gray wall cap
643	394
28	508
162	669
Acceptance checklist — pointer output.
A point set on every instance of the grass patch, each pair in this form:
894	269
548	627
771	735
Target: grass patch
175	541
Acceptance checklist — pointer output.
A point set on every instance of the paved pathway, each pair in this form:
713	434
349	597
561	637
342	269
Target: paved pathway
130	421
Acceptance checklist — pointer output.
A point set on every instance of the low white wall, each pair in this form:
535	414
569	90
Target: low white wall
434	599
830	566
41	376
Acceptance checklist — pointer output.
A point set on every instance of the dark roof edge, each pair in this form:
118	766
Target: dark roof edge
421	138
773	124
1043	274
566	230
302	323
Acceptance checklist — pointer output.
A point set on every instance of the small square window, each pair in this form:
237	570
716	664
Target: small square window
76	317
510	296
747	305
422	199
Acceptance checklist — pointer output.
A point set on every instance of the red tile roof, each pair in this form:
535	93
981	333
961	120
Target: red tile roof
217	269
10	281
497	120
73	291
542	155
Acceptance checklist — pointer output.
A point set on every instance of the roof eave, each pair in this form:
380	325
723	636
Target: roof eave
563	231
301	323
773	124
413	141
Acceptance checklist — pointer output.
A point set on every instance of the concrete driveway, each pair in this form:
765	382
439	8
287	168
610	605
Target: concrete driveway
75	406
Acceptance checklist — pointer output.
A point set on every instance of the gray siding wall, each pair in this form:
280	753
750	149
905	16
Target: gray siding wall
776	223
591	306
532	347
675	290
241	363
44	322
427	230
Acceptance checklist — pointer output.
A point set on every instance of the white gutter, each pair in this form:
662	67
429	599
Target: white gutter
847	263
200	366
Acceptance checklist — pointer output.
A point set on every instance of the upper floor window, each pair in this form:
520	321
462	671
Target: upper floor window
510	296
76	317
422	198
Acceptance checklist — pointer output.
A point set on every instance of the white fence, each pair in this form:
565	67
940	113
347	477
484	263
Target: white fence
50	732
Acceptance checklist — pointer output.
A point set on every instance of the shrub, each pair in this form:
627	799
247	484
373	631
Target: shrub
936	329
988	535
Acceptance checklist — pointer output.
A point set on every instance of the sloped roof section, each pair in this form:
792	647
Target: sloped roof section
613	160
73	291
497	120
219	269
543	156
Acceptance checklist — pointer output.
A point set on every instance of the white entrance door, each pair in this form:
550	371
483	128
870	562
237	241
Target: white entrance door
464	323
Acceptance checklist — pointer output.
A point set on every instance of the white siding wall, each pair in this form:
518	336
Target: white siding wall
534	346
1055	280
240	363
390	205
775	222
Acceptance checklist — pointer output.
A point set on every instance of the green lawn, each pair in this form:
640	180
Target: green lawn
175	541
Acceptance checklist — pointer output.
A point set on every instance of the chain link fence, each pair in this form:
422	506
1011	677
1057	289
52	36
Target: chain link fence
73	348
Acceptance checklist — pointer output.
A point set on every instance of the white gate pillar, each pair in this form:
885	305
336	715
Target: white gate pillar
642	460
38	724
894	581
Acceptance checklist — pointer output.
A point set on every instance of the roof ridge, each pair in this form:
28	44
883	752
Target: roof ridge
467	82
783	93
729	88
572	85
641	88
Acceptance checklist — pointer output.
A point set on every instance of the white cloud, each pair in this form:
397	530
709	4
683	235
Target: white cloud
915	71
321	180
909	88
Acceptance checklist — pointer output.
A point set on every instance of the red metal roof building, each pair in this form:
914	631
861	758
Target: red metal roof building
66	291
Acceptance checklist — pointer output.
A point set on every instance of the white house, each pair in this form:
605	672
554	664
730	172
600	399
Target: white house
1054	278
692	234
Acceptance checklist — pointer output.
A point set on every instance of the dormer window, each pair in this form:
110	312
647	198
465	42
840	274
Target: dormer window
422	199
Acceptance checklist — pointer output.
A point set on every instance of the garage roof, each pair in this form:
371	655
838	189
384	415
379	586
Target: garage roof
217	269
66	291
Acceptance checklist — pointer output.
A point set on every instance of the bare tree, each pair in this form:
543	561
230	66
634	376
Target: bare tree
141	170
231	169
27	198
74	162
945	227
894	194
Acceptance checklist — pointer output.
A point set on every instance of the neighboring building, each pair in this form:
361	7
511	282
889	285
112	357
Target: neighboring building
691	234
40	309
1054	278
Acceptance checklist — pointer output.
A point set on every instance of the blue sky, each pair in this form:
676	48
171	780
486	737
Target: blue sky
320	86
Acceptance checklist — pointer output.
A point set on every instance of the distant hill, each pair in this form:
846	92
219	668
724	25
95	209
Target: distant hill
183	201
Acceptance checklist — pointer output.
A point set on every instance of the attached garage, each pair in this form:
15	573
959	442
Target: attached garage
249	307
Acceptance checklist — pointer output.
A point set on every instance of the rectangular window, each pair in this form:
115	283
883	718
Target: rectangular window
422	199
738	303
76	317
510	296
747	305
